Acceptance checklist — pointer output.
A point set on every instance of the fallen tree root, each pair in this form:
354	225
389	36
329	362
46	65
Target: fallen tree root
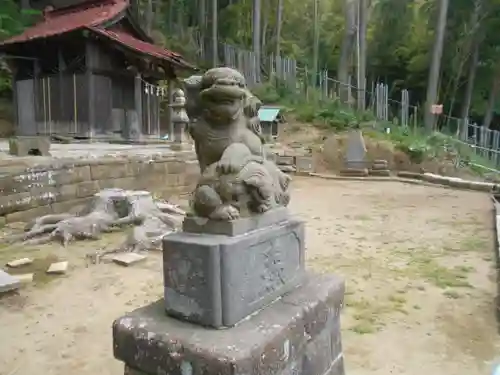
110	210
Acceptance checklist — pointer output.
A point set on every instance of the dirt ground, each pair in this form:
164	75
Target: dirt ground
418	264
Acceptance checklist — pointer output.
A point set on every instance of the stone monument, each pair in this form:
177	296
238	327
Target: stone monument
237	299
355	163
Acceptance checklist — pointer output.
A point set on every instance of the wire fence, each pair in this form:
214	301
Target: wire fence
481	141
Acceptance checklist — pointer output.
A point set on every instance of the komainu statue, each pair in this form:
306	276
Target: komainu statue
236	180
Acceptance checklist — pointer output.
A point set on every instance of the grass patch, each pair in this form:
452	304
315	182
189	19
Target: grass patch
368	315
429	269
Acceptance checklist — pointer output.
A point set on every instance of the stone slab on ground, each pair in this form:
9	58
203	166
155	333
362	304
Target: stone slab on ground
298	334
128	259
217	280
19	262
58	268
8	282
194	224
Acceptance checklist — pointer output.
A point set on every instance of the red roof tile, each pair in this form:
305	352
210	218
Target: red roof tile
140	46
56	22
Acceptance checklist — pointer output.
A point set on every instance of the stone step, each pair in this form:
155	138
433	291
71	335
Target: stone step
354	172
380	173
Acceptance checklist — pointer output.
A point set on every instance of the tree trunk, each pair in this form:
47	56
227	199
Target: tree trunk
314	78
171	16
202	24
495	87
362	24
265	27
471	77
467	54
279	17
256	35
347	48
215	50
433	82
149	17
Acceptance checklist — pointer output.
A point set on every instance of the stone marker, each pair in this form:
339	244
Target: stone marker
58	268
356	151
19	262
127	259
8	283
238	264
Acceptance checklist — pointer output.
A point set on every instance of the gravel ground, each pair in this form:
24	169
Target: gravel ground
418	263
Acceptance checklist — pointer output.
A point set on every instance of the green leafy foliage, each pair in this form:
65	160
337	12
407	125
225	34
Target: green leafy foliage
13	20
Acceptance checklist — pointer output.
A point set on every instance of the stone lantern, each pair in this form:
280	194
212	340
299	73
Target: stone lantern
180	119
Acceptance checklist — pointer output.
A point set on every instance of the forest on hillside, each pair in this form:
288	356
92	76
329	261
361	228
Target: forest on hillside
442	51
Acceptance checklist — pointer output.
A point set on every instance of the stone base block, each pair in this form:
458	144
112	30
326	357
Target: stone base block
217	280
380	172
194	224
378	165
354	172
25	146
298	334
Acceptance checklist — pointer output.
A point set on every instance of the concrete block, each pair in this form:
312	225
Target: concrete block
58	268
194	224
19	262
128	259
8	283
278	340
25	146
217	280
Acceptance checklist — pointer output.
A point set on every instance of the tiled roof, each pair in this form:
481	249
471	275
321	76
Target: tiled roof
56	22
140	46
91	15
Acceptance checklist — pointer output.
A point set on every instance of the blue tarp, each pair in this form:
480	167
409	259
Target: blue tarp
268	114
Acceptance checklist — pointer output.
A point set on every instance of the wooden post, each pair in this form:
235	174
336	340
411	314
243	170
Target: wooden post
215	42
90	54
36	93
61	67
170	92
138	92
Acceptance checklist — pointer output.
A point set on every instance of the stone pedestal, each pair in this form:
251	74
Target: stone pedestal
233	269
298	334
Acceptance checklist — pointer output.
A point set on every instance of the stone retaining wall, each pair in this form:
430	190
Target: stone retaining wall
56	186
